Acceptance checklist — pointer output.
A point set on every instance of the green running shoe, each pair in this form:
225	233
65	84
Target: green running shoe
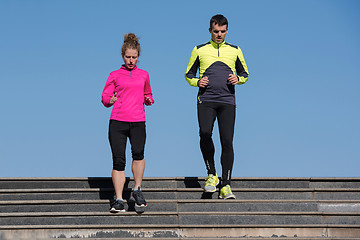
226	193
211	182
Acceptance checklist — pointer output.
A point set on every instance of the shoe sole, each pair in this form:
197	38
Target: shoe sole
214	189
228	197
113	210
210	191
140	208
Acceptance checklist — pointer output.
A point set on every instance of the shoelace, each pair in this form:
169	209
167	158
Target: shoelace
210	180
116	202
227	190
140	197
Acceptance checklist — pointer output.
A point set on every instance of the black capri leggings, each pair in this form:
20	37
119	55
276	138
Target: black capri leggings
118	133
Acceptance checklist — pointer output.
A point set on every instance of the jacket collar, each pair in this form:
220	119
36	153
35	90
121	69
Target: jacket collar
127	69
216	45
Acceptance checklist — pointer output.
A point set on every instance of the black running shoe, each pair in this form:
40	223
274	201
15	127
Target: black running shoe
117	206
138	198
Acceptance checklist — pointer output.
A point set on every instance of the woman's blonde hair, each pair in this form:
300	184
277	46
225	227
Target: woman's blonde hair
131	41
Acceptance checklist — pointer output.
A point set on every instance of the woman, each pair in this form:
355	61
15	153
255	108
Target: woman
127	90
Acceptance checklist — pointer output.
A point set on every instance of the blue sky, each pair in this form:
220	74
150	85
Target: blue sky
297	116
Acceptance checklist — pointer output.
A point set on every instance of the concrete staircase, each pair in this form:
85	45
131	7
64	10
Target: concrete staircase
265	208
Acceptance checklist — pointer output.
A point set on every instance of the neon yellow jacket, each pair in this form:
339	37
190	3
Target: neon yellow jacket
216	61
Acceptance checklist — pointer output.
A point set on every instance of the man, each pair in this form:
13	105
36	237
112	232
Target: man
217	62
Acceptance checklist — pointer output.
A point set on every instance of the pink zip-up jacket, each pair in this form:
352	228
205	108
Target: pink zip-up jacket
131	87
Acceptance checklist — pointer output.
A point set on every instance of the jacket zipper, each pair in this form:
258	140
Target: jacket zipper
218	50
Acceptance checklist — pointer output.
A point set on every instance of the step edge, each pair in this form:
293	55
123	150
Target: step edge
180	178
170	213
147	226
65	190
179	201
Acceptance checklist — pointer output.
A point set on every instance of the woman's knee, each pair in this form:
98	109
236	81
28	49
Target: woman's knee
119	164
138	155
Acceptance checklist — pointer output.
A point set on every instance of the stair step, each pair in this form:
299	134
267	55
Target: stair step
179	182
198	232
265	208
183	206
182	193
185	218
274	237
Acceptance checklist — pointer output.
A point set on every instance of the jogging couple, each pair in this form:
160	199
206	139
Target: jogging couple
221	66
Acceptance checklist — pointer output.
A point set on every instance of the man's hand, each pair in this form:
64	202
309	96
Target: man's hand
113	98
233	79
203	82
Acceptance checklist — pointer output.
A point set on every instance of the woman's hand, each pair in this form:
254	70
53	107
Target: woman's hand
148	100
113	98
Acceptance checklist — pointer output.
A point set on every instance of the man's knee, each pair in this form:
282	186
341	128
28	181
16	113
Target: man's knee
205	134
227	146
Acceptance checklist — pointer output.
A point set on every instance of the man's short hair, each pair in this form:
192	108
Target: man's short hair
219	20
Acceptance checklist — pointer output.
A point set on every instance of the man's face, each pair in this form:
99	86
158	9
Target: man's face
130	58
218	33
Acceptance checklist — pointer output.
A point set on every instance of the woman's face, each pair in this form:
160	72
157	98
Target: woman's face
130	58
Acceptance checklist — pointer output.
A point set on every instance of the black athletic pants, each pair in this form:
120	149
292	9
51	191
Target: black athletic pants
118	133
208	112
